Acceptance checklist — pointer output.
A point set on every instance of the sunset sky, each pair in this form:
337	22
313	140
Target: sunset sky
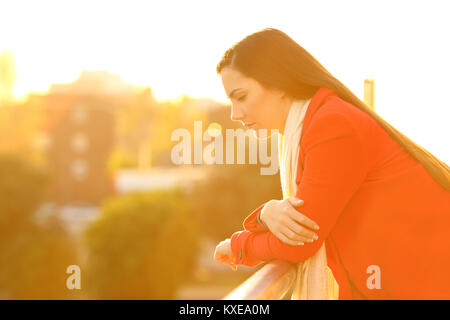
174	46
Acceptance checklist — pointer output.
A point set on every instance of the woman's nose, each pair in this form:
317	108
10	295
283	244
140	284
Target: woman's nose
236	114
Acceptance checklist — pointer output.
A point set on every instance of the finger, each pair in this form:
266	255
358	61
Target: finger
220	257
302	219
286	240
232	264
223	262
301	231
293	236
226	259
220	261
296	202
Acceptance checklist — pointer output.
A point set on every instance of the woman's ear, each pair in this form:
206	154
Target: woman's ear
286	97
277	92
283	95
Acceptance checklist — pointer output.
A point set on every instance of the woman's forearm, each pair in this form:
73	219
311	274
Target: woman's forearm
253	248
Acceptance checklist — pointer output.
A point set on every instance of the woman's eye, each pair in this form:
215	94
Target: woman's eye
241	98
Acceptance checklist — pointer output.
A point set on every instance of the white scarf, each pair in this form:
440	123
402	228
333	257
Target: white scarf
314	279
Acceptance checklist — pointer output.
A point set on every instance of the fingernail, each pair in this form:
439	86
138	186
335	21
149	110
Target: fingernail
316	237
300	243
310	240
316	227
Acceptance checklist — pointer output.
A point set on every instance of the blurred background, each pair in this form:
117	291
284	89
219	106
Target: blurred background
90	93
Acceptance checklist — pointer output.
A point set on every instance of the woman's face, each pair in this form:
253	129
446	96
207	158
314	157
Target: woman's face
255	106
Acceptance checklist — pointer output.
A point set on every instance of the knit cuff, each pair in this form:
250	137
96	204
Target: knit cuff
240	255
258	217
253	221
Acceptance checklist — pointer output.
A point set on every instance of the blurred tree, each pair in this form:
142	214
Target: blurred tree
33	258
133	122
22	189
173	115
143	246
228	195
7	77
35	261
20	125
146	128
121	159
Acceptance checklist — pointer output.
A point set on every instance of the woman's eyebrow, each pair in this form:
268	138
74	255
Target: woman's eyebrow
232	92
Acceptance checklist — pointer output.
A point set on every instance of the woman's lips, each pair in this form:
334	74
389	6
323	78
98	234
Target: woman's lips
250	125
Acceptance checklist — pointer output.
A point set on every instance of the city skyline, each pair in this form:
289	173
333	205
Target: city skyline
174	46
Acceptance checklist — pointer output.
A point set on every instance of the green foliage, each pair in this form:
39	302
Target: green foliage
228	195
33	259
120	159
34	264
142	246
21	190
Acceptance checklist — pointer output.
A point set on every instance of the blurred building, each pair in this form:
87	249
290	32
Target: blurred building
80	137
159	178
96	82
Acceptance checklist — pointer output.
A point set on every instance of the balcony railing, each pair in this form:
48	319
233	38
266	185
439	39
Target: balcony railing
271	282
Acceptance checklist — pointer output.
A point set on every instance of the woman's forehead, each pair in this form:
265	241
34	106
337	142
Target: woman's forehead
233	79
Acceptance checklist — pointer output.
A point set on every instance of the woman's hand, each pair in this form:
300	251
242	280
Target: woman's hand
223	254
286	223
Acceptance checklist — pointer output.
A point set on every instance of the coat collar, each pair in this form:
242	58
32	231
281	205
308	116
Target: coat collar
317	100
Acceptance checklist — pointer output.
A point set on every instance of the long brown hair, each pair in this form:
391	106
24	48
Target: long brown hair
276	61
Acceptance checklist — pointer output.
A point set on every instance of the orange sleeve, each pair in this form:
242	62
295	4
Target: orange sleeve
335	165
251	222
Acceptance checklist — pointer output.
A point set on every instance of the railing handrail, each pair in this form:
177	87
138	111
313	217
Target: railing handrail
271	282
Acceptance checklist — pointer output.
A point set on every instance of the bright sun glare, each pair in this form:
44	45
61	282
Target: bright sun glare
174	46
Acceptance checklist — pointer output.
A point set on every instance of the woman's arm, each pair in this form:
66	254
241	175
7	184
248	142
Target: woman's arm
251	222
335	165
282	218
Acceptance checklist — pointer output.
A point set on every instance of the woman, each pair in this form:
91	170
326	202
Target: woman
381	202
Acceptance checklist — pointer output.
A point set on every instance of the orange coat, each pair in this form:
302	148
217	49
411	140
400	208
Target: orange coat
376	206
